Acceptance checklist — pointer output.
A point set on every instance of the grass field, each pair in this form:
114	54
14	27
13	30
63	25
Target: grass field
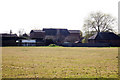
59	62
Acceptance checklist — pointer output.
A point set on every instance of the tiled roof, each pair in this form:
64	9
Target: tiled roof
74	31
55	31
8	35
105	36
37	31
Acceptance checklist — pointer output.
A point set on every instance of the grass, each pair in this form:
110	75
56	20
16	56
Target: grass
59	62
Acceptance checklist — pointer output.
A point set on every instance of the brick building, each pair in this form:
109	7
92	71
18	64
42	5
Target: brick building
75	35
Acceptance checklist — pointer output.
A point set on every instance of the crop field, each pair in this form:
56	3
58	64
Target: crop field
59	62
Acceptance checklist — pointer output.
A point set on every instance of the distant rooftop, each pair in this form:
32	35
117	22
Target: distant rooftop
105	36
37	31
55	31
74	31
54	28
8	35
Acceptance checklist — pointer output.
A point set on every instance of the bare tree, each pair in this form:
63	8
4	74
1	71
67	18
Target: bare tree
99	22
21	32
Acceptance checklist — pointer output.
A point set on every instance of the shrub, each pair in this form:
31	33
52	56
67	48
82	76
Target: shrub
52	45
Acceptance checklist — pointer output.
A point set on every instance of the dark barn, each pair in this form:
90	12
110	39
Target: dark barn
9	39
39	36
57	35
105	37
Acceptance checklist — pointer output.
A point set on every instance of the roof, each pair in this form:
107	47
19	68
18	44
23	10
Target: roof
105	36
8	35
93	37
36	31
54	28
74	31
55	31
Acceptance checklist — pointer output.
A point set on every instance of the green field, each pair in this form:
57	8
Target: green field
59	62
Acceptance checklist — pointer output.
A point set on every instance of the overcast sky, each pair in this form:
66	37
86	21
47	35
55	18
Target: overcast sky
38	14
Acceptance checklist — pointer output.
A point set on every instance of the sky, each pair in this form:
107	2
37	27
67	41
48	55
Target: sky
39	14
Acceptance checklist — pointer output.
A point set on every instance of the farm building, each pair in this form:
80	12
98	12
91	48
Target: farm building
57	35
105	37
75	35
9	39
39	36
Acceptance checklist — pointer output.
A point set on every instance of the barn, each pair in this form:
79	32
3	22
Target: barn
9	39
57	35
75	35
105	37
38	36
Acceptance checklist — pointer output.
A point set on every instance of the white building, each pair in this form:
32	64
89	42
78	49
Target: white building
29	42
